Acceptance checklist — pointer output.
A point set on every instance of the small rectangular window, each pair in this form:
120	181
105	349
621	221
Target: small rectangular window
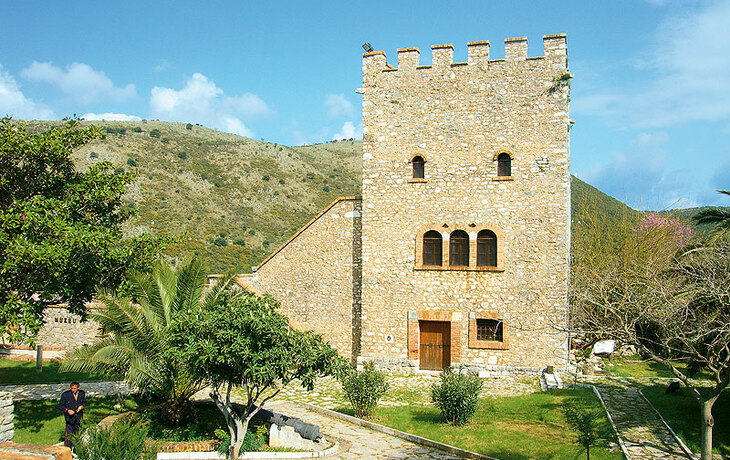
490	329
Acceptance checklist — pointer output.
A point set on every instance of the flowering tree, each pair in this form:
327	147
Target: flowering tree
671	303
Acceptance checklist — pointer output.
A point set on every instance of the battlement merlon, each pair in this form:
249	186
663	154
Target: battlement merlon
554	48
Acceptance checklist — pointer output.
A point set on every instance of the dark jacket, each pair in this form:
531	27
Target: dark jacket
68	402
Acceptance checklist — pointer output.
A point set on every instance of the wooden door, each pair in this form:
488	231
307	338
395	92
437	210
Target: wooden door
435	344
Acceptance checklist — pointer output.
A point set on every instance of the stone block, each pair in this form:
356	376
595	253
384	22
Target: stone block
12	451
285	436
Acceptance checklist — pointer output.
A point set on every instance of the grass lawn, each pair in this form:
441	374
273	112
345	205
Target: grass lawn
17	372
635	366
521	427
41	422
682	413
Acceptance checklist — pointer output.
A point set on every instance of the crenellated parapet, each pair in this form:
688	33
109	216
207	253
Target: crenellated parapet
555	51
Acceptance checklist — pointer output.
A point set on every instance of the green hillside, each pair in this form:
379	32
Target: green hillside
235	199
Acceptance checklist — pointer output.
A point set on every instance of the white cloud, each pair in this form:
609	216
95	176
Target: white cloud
79	81
348	131
337	105
235	126
201	101
109	116
14	103
686	74
640	177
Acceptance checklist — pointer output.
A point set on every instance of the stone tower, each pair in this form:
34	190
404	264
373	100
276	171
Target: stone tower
466	208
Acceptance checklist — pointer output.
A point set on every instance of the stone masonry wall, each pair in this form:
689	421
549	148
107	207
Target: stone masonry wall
459	117
7	428
316	276
63	330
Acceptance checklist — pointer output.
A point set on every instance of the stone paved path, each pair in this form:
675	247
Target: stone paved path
54	390
643	433
359	442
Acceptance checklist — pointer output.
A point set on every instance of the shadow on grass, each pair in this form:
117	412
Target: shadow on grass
427	416
31	415
42	422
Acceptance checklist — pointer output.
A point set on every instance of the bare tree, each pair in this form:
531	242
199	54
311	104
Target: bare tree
670	303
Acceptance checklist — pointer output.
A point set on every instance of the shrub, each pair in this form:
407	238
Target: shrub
182	155
131	162
281	181
266	178
239	242
119	171
189	126
363	389
457	396
220	241
137	129
93	155
155	133
123	440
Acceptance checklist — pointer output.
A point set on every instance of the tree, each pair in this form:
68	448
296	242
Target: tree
670	302
581	420
60	228
137	335
242	341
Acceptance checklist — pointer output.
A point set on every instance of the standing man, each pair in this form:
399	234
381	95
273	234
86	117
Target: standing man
72	405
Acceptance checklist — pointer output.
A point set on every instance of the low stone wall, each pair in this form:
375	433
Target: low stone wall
54	390
7	429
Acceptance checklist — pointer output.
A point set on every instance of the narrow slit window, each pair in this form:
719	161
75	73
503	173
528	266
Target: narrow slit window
504	164
459	249
432	244
418	167
490	329
486	249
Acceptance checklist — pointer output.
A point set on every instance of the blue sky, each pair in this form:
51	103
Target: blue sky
651	93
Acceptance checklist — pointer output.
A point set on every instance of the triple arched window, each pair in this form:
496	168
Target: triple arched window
461	250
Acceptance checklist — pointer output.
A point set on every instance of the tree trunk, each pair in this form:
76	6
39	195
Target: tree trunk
707	423
241	429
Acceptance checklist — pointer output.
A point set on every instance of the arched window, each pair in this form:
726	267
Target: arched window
432	248
486	249
504	164
459	249
418	169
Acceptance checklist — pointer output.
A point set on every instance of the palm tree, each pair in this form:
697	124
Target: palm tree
718	217
134	339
